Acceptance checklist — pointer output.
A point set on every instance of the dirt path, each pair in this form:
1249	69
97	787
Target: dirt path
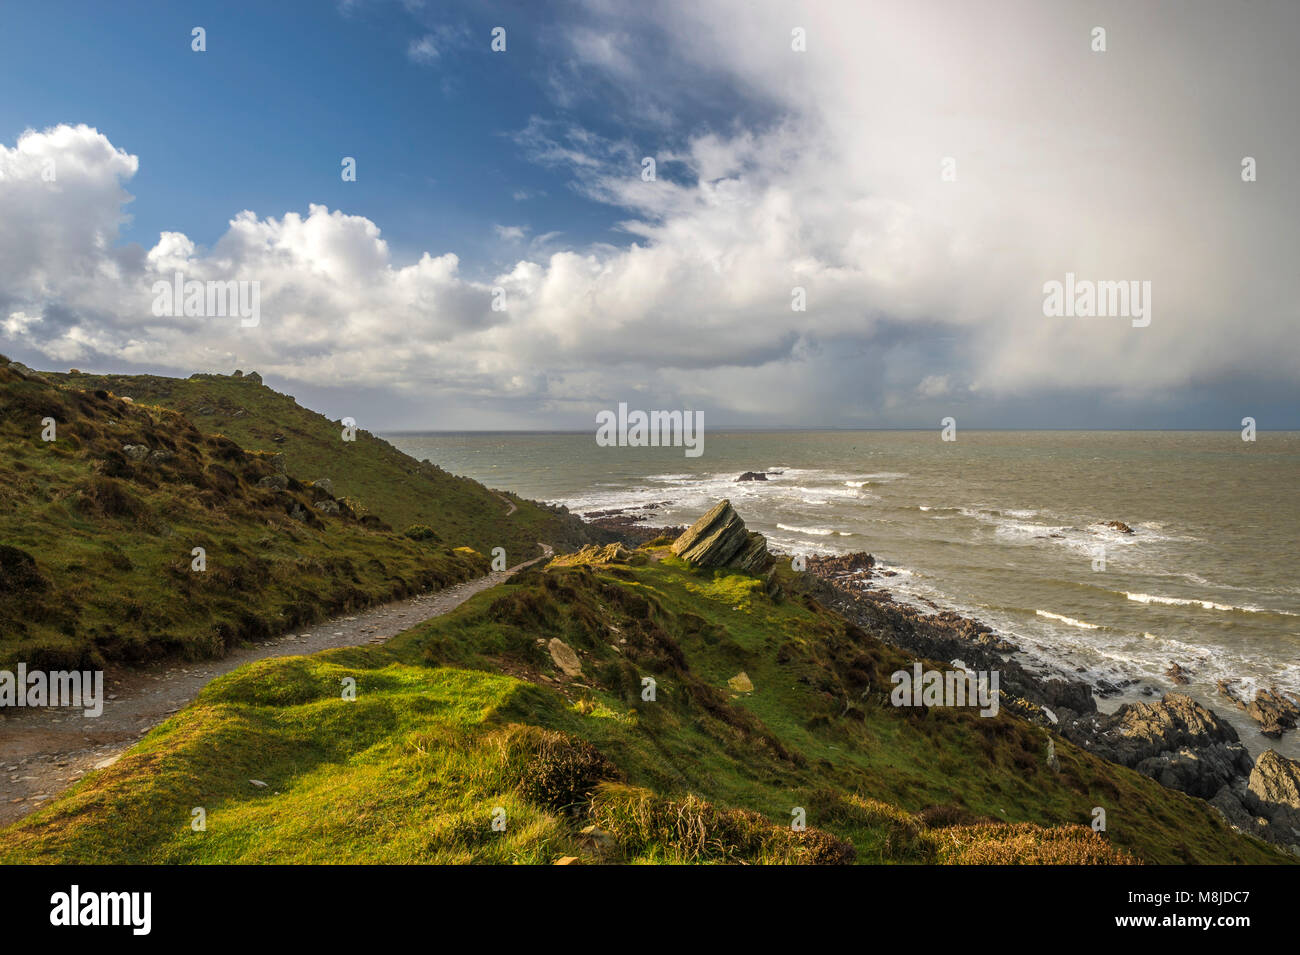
43	751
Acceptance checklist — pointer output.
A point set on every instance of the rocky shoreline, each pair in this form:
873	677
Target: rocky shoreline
1175	740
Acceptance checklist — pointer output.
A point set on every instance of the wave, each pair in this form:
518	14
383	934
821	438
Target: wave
815	531
1203	604
1081	624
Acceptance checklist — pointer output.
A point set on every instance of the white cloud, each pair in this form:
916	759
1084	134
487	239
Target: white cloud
918	289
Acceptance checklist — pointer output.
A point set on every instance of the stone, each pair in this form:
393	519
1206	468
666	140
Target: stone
274	482
253	377
158	457
564	657
1116	526
1273	790
741	683
136	452
752	476
327	506
719	539
324	484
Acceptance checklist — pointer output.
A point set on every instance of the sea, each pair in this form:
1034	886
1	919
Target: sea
1008	527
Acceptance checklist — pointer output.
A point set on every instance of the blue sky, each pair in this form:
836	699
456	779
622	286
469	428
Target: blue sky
777	168
262	119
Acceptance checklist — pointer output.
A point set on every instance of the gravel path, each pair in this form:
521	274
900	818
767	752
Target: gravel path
43	751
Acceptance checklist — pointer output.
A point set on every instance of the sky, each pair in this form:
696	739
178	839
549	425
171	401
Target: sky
919	171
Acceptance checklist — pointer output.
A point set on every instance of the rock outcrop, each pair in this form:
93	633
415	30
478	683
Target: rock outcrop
752	476
1176	741
720	539
1267	804
1116	526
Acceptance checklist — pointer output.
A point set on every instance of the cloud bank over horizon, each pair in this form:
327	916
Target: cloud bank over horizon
919	172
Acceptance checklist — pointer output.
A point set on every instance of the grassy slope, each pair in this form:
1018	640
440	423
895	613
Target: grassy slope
466	714
371	473
95	548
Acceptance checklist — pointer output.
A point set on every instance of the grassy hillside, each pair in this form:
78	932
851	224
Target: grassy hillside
467	716
97	547
369	472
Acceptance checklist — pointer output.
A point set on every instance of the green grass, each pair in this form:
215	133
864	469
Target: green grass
97	549
373	475
466	715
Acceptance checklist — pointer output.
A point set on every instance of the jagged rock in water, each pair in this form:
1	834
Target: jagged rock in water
752	476
719	539
1116	526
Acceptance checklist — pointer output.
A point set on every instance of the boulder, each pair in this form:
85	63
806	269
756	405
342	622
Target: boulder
253	377
136	452
1274	711
324	484
1117	526
274	482
752	476
741	683
1175	741
564	657
327	506
719	539
1274	791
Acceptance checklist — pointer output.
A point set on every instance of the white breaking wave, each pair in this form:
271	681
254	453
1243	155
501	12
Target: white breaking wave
1068	620
1203	604
816	531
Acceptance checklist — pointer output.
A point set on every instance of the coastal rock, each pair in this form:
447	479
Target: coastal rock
841	567
752	476
1200	773
1274	711
1138	731
1116	526
1273	791
564	657
719	539
1177	674
1176	741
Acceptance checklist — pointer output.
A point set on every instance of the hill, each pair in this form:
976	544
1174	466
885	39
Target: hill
136	531
528	707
